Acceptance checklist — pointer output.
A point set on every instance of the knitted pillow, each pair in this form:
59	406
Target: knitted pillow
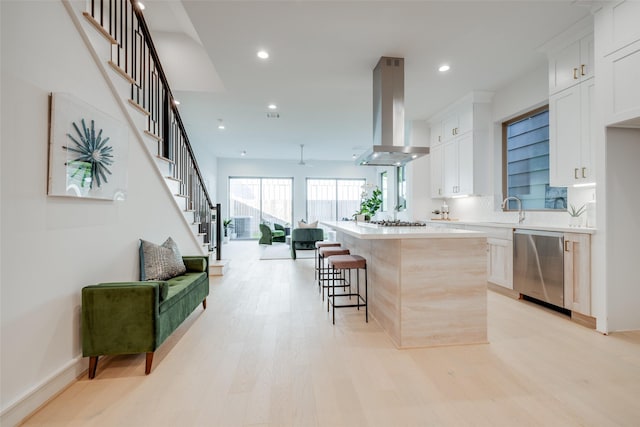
310	225
160	262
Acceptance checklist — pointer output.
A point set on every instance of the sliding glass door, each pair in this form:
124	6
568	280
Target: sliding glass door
333	199
253	201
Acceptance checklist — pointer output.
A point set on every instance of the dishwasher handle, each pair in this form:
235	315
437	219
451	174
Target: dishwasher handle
539	233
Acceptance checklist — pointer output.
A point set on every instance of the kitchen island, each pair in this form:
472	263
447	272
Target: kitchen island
427	286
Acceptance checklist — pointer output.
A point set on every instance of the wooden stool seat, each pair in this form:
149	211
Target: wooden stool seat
347	261
326	244
338	264
324	271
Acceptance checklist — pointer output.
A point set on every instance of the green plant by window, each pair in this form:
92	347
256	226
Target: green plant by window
227	224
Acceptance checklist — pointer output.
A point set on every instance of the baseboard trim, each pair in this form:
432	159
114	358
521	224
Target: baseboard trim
41	394
584	320
502	290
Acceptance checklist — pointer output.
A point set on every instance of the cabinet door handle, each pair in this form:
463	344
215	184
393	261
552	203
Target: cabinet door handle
575	173
584	172
582	73
575	74
566	246
439	138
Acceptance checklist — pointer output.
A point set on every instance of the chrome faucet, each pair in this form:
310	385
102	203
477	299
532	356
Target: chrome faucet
520	211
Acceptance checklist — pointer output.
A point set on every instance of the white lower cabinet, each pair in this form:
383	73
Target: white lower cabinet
577	272
499	254
500	262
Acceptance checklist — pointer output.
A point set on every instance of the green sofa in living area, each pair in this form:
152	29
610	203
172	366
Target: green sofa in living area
138	316
269	236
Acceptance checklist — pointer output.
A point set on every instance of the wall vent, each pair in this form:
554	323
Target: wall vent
273	115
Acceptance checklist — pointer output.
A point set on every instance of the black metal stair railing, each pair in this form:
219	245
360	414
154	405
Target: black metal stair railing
134	54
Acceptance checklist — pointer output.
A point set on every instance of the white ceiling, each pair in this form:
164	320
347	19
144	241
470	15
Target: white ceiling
322	56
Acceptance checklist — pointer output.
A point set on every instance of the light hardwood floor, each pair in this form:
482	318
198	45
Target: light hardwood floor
265	353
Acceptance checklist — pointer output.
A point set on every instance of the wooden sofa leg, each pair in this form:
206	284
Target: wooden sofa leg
93	364
147	368
204	304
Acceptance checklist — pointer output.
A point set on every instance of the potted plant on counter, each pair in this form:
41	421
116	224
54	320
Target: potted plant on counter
575	219
369	205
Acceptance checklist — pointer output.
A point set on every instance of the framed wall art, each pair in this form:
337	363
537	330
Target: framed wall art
88	151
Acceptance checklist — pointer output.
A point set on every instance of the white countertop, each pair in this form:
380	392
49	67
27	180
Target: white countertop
516	225
375	233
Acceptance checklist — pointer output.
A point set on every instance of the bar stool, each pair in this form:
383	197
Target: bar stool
324	272
342	263
322	245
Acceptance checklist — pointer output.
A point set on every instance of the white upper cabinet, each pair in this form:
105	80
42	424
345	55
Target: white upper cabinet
571	106
571	135
436	134
437	188
461	146
457	122
571	65
617	25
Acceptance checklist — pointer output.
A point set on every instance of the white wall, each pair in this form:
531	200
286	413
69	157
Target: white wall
52	247
623	228
286	169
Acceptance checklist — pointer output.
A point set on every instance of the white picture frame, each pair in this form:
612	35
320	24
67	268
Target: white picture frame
88	151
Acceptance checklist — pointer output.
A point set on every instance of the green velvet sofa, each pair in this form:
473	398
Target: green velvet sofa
137	317
269	236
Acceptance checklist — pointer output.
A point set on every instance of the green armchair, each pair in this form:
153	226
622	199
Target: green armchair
269	236
305	239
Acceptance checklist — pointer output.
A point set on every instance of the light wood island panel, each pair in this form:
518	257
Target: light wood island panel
425	290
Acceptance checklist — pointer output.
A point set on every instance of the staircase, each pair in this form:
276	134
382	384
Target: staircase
132	69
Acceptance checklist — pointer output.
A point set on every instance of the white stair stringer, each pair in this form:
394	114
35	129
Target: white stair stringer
120	88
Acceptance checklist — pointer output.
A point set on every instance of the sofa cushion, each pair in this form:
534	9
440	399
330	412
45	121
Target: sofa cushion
179	286
195	263
309	225
160	262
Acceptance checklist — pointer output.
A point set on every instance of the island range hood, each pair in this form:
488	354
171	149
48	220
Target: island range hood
388	118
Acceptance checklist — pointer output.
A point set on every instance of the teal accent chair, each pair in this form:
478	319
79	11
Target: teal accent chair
269	236
305	239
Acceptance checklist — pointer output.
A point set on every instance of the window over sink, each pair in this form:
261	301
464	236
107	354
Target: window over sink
525	161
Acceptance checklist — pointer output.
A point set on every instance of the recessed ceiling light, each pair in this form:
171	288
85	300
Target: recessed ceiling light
140	5
272	106
353	157
263	54
444	68
243	153
220	124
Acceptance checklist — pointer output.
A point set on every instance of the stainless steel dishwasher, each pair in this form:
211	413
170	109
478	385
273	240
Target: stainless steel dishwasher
538	265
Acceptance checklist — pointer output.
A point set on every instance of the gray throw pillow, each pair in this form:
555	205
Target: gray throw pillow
160	262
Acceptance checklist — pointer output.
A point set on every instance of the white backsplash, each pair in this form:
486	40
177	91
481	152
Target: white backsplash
487	209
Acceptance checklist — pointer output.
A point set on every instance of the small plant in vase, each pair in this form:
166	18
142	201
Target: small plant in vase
575	219
227	224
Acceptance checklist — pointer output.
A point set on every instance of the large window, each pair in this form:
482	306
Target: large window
384	187
333	199
526	163
256	200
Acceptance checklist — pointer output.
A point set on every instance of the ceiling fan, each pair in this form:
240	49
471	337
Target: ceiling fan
302	162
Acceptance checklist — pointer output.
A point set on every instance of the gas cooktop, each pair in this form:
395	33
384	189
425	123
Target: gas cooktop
398	223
